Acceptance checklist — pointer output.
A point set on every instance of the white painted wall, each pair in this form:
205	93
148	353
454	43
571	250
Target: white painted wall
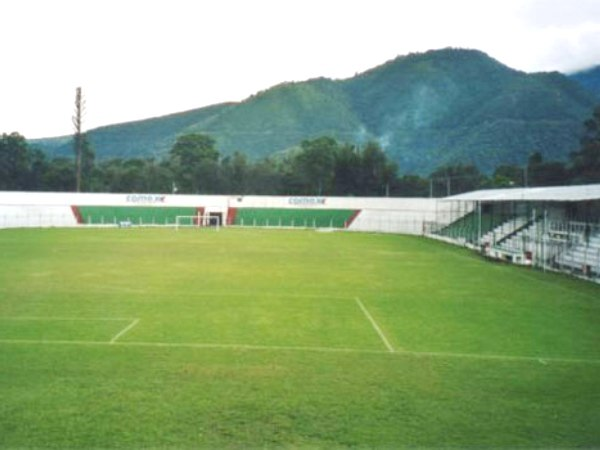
84	199
19	216
41	209
392	221
376	203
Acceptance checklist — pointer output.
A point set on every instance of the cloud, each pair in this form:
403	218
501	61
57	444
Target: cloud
571	49
140	58
563	35
561	14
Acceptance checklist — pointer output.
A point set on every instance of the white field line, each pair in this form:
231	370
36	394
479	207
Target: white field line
375	326
250	347
536	359
124	330
50	319
226	294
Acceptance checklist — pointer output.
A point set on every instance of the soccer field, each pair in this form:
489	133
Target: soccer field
128	338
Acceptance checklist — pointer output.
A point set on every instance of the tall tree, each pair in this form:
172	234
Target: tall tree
347	171
87	162
315	163
234	173
78	138
195	163
13	161
375	170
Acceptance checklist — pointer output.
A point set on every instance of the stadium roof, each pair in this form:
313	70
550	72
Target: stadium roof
536	194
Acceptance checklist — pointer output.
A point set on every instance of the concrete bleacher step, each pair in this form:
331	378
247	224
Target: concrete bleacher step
504	229
583	256
521	239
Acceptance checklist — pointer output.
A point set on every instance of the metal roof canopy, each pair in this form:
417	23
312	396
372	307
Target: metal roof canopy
535	194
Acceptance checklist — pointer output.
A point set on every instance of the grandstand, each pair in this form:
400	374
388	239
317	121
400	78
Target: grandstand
554	228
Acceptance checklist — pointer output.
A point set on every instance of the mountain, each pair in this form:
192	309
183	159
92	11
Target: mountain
589	79
426	109
461	106
145	138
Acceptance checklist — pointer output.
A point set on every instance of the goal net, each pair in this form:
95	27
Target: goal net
198	221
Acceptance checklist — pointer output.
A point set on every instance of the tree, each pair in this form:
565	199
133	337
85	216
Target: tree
133	175
59	175
585	163
314	165
195	164
38	165
158	175
412	186
375	172
78	138
455	179
389	176
234	172
266	177
542	173
508	175
347	171
15	159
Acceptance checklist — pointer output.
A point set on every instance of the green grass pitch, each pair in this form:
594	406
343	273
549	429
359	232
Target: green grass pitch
135	338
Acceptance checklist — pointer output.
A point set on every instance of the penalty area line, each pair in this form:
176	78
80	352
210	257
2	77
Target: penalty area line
375	326
124	330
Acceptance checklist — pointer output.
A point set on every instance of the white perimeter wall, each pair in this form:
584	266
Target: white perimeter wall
380	214
47	209
16	216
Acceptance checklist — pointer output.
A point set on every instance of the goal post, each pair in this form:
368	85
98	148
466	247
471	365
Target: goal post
198	221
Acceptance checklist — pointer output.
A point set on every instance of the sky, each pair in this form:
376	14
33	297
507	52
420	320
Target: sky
136	59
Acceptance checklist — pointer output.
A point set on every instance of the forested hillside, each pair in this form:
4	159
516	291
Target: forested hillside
425	110
589	79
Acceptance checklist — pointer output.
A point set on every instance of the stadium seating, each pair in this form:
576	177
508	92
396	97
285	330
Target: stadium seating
467	227
504	230
582	257
517	234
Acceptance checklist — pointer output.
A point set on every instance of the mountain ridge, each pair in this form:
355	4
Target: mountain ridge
589	79
425	109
